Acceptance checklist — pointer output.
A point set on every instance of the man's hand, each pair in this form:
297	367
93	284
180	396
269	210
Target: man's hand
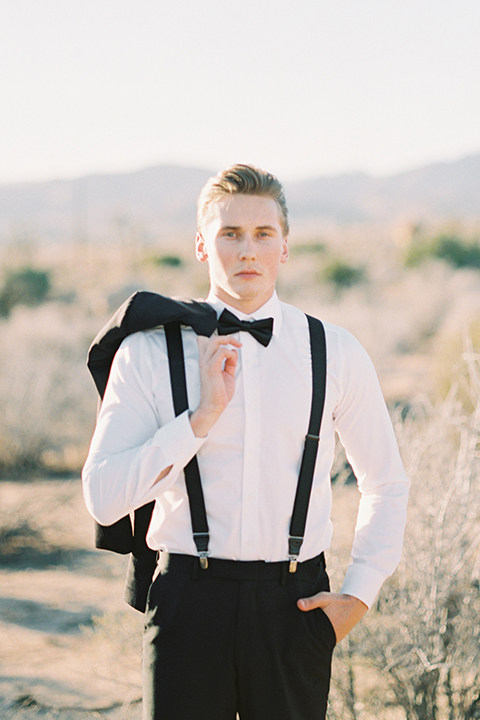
343	611
217	362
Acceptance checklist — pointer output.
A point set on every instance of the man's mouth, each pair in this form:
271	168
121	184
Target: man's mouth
247	273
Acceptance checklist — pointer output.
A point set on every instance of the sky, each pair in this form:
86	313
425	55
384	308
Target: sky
300	88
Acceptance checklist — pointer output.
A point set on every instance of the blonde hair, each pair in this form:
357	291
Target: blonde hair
242	180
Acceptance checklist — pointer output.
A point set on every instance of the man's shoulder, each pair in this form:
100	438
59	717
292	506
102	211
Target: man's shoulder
143	338
152	342
334	333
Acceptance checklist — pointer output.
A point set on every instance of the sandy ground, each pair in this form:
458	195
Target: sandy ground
69	645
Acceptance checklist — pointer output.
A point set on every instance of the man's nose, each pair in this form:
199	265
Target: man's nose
248	248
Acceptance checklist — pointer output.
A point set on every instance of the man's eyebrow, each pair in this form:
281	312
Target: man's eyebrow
238	228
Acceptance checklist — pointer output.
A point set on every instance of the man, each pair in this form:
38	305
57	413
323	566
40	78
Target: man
240	633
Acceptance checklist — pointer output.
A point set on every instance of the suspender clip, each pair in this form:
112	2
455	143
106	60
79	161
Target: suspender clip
294	545
201	541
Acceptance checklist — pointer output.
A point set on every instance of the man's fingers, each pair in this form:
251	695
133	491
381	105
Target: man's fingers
216	340
320	600
227	340
343	611
231	362
217	351
223	356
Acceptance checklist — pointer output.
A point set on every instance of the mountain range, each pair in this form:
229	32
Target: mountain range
158	203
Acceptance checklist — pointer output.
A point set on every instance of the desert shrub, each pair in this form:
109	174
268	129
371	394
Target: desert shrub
26	286
342	274
419	647
451	248
46	395
121	629
306	248
173	261
457	252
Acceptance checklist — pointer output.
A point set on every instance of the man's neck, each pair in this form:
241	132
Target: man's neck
247	306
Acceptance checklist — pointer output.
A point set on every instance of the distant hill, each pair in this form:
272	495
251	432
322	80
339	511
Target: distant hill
154	202
158	203
441	190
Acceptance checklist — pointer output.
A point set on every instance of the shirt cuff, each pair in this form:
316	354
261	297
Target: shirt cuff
178	445
177	440
363	582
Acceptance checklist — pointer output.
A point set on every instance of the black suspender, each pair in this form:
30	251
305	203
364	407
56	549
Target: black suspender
307	468
305	480
198	515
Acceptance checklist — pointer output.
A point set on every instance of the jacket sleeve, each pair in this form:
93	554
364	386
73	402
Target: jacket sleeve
137	436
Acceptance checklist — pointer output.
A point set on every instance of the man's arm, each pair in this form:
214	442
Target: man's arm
365	430
136	453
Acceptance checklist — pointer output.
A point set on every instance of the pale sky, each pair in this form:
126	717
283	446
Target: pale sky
299	87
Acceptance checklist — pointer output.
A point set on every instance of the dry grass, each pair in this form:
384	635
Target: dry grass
408	319
413	322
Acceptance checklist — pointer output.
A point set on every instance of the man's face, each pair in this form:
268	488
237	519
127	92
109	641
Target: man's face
243	243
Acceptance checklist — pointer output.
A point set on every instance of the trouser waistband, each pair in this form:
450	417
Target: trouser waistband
246	569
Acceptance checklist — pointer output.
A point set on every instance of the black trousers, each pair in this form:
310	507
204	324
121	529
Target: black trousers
230	639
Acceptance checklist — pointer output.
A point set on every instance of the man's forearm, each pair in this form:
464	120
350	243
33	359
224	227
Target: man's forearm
202	422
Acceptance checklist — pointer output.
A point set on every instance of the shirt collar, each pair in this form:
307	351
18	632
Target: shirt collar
272	308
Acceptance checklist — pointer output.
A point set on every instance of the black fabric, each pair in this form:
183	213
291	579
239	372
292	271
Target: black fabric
246	569
261	330
215	646
178	383
307	468
141	311
143	560
144	311
116	538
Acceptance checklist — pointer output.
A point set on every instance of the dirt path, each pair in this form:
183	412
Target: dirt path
69	645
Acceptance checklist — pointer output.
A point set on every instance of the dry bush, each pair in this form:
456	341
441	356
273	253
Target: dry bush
48	400
417	651
48	407
416	654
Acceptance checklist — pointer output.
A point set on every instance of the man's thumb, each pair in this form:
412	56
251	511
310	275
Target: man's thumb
310	603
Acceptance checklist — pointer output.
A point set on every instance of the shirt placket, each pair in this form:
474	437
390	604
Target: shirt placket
251	458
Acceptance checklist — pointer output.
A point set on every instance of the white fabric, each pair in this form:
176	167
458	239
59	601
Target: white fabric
250	460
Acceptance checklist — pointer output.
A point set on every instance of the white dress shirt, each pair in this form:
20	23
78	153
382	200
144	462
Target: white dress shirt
250	460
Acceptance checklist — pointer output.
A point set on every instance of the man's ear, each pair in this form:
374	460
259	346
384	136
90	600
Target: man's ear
200	249
285	252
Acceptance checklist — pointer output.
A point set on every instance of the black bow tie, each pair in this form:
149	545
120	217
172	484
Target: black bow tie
261	330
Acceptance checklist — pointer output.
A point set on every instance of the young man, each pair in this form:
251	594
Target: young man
244	635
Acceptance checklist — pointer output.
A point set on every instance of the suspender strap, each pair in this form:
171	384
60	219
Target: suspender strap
178	383
305	480
307	468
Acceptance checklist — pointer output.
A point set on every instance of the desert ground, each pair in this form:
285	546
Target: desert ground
69	645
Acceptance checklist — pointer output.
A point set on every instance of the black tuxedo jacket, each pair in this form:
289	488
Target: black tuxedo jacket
142	311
